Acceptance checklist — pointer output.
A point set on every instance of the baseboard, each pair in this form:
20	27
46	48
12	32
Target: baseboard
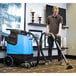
41	58
71	56
56	57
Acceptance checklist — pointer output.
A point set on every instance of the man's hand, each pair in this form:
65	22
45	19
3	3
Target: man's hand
58	34
47	33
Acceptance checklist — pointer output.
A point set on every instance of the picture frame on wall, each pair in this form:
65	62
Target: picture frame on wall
12	17
37	34
25	16
62	12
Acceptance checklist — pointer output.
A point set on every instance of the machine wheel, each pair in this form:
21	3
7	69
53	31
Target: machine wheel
27	65
8	61
33	64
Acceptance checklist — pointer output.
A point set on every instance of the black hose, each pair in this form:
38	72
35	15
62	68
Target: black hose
39	45
59	48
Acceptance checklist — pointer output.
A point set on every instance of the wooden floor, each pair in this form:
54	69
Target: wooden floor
54	68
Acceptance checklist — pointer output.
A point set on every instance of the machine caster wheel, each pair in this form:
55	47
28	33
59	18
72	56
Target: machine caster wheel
27	65
8	61
32	64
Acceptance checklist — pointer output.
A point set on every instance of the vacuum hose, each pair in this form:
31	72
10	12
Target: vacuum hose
39	45
59	48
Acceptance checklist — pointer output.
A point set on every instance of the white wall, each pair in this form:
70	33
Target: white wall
71	21
39	9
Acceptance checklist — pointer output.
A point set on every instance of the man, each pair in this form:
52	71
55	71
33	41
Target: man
54	25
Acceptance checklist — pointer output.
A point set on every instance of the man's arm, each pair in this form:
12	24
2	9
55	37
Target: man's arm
60	28
47	25
47	29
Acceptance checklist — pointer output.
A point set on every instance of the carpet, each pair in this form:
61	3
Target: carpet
50	68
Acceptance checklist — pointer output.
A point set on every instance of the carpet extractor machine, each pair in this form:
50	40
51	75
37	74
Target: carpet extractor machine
19	49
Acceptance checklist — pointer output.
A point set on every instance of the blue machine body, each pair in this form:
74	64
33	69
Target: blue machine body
23	46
